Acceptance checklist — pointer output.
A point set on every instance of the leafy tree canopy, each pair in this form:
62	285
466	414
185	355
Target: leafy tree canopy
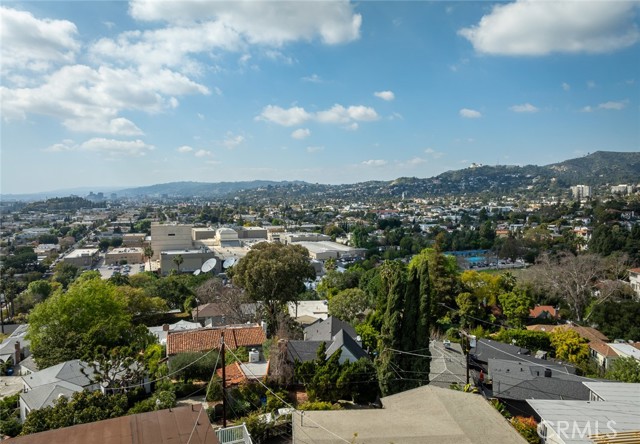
71	324
82	408
624	370
349	304
273	273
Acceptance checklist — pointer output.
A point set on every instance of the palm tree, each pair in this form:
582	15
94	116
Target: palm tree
148	253
178	260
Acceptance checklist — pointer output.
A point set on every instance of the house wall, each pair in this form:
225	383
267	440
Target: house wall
131	255
603	362
634	280
191	261
169	237
84	260
133	240
552	437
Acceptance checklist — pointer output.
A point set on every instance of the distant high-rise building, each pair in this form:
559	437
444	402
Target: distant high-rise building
622	189
581	191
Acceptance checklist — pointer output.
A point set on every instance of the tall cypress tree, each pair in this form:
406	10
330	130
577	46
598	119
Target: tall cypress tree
406	327
423	330
410	320
391	334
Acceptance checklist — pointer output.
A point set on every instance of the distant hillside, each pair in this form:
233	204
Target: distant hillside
596	169
599	168
196	189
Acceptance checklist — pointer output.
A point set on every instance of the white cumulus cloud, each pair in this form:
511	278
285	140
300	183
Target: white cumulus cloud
608	106
265	23
470	113
203	153
185	149
30	43
313	78
339	114
375	162
301	133
613	105
87	99
385	95
524	108
109	147
285	117
336	114
536	28
232	142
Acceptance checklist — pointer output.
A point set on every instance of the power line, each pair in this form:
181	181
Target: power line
289	405
195	425
520	358
142	384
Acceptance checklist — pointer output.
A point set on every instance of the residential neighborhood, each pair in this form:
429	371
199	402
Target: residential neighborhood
319	222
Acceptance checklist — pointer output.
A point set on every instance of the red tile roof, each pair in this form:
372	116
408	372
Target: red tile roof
206	339
233	374
603	349
539	310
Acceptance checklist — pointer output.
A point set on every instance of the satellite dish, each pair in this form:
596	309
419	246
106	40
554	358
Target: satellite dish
228	263
197	272
209	265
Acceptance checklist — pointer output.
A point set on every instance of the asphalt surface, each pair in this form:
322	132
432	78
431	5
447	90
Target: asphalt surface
448	364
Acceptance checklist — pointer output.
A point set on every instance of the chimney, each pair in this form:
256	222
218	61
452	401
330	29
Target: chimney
17	356
165	327
547	372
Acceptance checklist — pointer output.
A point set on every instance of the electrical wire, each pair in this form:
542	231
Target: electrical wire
291	406
195	425
142	384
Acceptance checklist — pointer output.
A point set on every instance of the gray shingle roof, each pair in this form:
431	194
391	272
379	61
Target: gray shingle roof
7	347
486	349
45	395
327	329
69	371
304	351
343	341
527	380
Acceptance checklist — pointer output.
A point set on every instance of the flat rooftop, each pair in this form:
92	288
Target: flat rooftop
81	252
425	415
615	391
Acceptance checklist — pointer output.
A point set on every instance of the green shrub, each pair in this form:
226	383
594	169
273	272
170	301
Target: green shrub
214	389
257	427
318	405
193	365
185	389
531	340
527	427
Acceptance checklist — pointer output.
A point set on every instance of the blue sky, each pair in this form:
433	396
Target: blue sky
135	93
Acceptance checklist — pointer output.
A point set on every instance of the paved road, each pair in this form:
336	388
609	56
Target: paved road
447	364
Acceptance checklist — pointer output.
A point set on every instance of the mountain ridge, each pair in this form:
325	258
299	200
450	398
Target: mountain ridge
595	169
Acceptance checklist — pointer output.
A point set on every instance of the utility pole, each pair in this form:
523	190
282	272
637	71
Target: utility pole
224	382
466	343
1	310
